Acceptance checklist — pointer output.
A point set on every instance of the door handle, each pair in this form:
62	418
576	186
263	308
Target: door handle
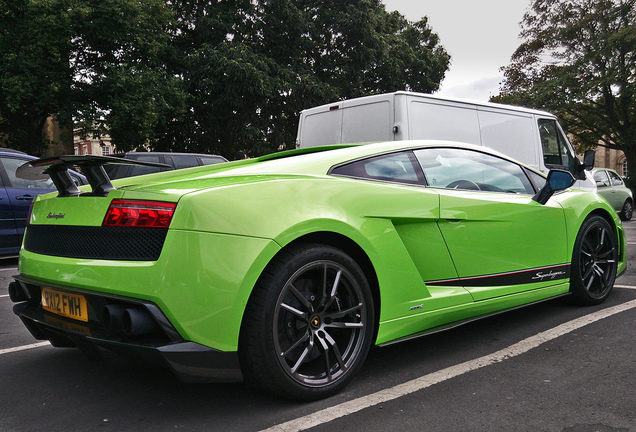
24	198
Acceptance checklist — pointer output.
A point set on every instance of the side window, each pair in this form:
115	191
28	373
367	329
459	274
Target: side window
472	170
211	160
11	165
184	161
537	179
141	170
394	167
615	178
556	152
600	177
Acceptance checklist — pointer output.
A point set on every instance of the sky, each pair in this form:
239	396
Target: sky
480	36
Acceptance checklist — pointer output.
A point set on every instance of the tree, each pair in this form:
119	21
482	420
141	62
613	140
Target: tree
99	63
121	85
329	50
250	67
35	76
578	60
200	75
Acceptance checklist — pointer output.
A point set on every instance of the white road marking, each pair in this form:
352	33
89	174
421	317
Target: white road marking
24	347
350	407
15	269
4	295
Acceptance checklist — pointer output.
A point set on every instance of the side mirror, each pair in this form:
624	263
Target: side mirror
588	159
557	180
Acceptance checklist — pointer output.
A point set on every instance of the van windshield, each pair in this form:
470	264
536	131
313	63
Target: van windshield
557	154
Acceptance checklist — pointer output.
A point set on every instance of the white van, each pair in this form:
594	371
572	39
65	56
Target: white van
530	136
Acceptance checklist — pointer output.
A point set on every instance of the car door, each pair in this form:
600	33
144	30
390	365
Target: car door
500	240
604	188
21	193
619	194
414	213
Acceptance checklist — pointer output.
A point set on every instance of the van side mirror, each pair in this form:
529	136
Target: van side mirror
557	180
588	159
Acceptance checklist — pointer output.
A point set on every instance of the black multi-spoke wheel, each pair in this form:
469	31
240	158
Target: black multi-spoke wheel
309	323
594	262
627	211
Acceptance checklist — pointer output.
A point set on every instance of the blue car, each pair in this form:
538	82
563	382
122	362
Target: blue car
16	195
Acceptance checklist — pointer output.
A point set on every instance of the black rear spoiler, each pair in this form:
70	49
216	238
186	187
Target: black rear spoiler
91	166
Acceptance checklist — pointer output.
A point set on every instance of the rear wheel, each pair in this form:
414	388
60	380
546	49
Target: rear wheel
594	261
308	325
628	209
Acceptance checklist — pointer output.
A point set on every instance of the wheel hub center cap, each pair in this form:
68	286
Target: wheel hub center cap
315	322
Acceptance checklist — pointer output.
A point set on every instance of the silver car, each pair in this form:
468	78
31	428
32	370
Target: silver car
612	187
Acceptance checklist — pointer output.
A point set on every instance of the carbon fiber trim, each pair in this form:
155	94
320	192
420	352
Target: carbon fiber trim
108	243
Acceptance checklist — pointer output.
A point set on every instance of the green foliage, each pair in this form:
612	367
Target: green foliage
195	75
577	60
34	71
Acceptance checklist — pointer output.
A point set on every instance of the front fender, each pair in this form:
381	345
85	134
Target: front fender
577	206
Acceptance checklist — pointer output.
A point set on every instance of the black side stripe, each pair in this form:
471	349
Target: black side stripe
541	274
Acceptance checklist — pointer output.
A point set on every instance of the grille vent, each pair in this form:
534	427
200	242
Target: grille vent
109	243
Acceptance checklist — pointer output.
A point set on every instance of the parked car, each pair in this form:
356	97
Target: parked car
283	270
16	195
173	160
611	186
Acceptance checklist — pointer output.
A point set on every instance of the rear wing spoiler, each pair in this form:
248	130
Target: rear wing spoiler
91	166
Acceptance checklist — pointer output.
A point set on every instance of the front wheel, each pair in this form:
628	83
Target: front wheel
308	325
594	261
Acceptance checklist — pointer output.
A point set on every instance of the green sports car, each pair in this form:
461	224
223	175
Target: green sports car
283	270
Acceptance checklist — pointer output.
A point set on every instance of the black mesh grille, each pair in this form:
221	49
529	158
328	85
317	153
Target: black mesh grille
111	243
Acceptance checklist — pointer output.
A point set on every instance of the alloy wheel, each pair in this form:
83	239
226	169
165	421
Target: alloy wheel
320	323
598	260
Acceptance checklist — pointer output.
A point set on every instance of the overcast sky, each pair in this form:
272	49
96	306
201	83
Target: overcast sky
480	36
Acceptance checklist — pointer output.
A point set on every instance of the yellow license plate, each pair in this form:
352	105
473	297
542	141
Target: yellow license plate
65	304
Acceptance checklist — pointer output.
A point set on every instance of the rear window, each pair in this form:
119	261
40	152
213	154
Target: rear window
394	167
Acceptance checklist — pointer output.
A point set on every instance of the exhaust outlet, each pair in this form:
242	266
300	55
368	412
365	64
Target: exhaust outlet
112	317
16	293
138	322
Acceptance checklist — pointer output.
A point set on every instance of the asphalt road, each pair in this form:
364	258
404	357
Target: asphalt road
548	367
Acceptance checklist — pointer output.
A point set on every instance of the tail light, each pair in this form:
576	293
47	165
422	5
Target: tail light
136	213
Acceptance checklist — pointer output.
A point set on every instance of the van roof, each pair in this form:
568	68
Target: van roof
432	97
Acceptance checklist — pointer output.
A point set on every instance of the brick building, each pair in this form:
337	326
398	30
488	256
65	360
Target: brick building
92	145
613	159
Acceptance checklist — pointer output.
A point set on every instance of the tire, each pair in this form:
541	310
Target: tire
594	261
626	212
309	324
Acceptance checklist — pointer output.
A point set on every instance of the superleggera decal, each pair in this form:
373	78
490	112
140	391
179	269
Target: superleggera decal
521	277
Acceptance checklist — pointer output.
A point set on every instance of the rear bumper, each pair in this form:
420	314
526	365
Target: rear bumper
190	361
